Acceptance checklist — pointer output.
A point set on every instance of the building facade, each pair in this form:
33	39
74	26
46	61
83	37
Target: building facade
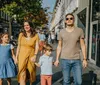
87	17
8	24
4	22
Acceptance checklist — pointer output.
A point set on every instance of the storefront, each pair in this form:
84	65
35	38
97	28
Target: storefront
94	50
88	18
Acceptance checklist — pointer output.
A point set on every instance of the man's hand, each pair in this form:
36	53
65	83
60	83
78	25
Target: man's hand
56	63
85	63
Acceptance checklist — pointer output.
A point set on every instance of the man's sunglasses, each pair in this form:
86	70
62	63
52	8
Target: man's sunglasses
69	18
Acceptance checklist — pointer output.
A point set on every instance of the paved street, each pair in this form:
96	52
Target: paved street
57	76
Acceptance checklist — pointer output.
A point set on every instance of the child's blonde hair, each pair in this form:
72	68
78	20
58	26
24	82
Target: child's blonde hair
47	47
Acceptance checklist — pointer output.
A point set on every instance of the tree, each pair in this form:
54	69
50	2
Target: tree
27	10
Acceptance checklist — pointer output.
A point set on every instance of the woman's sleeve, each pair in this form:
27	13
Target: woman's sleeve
37	37
19	38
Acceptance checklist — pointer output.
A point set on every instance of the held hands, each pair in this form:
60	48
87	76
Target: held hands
56	63
15	60
33	59
85	63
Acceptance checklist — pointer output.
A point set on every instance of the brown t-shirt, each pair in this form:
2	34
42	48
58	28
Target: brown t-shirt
71	43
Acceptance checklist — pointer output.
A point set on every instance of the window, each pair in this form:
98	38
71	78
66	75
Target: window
95	9
82	19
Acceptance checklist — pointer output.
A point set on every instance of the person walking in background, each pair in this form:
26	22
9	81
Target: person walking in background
52	37
26	53
7	60
41	41
45	63
12	41
49	38
70	40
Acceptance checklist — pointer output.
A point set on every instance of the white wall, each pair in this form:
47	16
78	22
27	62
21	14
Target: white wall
82	4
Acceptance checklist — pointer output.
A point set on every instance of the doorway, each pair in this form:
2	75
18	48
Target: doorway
94	42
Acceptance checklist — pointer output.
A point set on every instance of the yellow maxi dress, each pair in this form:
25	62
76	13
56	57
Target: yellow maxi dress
26	51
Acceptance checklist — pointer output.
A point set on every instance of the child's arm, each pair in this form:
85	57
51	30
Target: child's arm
13	55
37	64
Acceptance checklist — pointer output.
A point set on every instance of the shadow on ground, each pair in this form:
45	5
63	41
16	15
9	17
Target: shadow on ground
89	78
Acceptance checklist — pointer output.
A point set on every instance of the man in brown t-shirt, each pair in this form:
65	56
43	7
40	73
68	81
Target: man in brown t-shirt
71	39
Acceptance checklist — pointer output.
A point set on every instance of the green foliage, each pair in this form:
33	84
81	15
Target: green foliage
27	10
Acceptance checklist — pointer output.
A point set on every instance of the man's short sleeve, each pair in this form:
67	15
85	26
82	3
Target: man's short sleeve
82	34
59	36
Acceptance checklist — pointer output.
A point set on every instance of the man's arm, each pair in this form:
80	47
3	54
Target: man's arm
83	47
59	47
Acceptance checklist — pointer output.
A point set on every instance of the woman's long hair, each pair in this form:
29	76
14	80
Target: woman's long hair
32	30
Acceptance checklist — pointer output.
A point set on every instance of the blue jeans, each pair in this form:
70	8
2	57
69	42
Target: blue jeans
76	67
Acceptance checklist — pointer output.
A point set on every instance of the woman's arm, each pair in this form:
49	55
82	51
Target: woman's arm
36	47
36	50
18	47
17	51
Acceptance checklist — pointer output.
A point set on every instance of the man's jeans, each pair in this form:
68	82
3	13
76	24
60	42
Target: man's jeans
76	67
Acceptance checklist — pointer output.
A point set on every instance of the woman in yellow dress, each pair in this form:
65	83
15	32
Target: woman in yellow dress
26	53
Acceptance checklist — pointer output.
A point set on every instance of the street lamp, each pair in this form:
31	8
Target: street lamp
13	18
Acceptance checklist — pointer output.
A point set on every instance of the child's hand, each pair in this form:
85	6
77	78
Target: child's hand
37	64
33	59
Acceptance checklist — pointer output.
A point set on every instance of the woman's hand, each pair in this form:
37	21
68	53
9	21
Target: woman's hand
15	60
33	59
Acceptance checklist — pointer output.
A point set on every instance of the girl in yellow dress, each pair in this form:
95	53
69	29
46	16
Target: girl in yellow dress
26	53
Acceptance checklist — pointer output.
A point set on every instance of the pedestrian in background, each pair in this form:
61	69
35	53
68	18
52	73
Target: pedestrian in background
26	53
7	60
45	63
70	40
42	39
49	38
52	37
